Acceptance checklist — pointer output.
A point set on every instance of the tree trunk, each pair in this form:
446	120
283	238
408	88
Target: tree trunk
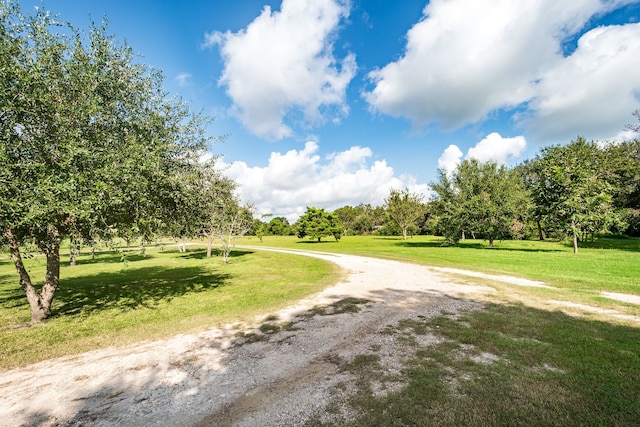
51	279
40	304
226	249
491	242
72	252
575	236
462	236
540	233
209	245
404	233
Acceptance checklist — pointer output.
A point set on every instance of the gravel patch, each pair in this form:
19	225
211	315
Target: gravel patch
284	378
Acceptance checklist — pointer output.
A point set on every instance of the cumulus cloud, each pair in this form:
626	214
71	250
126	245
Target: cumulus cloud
497	149
593	90
450	159
493	148
283	63
299	178
467	58
183	79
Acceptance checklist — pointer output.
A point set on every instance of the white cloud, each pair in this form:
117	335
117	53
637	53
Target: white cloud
593	91
492	148
498	149
297	179
450	159
283	63
467	58
183	79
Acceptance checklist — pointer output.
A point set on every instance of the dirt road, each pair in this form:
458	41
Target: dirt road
283	377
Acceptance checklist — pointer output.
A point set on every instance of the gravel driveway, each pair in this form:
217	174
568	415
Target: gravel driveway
216	378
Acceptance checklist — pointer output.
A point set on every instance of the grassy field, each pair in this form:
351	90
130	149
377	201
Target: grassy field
607	264
518	361
108	302
506	365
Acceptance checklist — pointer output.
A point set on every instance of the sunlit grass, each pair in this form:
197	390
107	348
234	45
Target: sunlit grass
109	302
615	269
517	361
508	365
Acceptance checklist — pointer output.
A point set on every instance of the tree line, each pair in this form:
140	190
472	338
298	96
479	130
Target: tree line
570	191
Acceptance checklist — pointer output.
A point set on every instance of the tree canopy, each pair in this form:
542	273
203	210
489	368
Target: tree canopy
404	208
90	144
569	187
317	223
484	199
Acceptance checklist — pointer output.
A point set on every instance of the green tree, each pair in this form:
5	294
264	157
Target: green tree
404	208
230	222
448	208
361	219
570	189
484	199
347	215
316	224
278	226
89	144
622	171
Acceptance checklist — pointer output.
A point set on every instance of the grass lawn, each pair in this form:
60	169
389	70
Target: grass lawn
518	361
108	302
506	365
605	265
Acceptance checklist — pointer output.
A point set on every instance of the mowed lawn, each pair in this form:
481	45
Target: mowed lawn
605	265
529	357
110	301
525	358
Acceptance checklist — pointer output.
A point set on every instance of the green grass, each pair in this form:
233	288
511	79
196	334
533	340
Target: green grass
515	362
108	302
507	365
615	268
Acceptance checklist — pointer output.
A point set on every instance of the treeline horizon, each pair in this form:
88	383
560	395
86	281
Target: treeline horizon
575	190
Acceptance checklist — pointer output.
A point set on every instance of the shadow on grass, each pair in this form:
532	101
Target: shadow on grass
475	245
497	366
314	242
108	258
132	288
629	244
202	254
11	296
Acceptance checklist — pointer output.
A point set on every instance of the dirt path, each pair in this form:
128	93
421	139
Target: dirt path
216	378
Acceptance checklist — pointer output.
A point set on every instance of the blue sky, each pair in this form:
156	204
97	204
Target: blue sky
333	102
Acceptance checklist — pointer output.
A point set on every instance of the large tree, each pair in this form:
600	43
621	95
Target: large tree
316	223
404	208
570	188
278	226
90	144
485	199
